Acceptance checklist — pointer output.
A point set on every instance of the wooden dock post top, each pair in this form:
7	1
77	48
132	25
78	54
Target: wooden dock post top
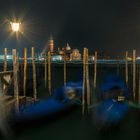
5	59
14	55
85	55
25	53
33	53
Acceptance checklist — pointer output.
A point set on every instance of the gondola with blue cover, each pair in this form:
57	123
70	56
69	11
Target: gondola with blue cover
112	107
61	99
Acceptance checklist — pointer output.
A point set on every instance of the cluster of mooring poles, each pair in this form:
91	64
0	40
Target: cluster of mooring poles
7	77
133	71
86	94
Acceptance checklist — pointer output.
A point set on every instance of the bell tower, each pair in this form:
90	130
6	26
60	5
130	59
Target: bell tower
51	44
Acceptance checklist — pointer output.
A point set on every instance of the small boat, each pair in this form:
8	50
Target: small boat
112	107
61	99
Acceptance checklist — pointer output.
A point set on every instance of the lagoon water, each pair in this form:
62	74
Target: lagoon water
71	124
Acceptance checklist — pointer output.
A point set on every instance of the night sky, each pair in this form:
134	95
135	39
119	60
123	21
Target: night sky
102	25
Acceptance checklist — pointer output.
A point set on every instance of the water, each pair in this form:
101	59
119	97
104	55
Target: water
71	124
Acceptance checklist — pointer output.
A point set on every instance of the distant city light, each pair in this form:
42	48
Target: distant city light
60	58
9	56
56	58
129	58
138	58
15	26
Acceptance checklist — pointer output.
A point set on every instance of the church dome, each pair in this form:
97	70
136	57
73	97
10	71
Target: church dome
68	48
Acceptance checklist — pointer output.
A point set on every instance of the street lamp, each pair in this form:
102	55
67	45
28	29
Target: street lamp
15	26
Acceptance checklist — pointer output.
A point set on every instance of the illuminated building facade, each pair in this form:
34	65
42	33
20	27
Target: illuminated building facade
75	55
51	45
66	51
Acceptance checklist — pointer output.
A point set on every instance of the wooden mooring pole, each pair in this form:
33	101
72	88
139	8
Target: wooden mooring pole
5	66
95	69
25	71
134	74
49	73
87	81
45	69
65	70
126	67
34	74
86	95
15	70
84	81
5	59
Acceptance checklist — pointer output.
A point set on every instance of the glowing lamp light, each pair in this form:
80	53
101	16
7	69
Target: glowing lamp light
15	26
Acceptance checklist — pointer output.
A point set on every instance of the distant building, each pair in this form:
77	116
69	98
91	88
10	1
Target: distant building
65	51
75	55
68	51
68	48
51	45
60	51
